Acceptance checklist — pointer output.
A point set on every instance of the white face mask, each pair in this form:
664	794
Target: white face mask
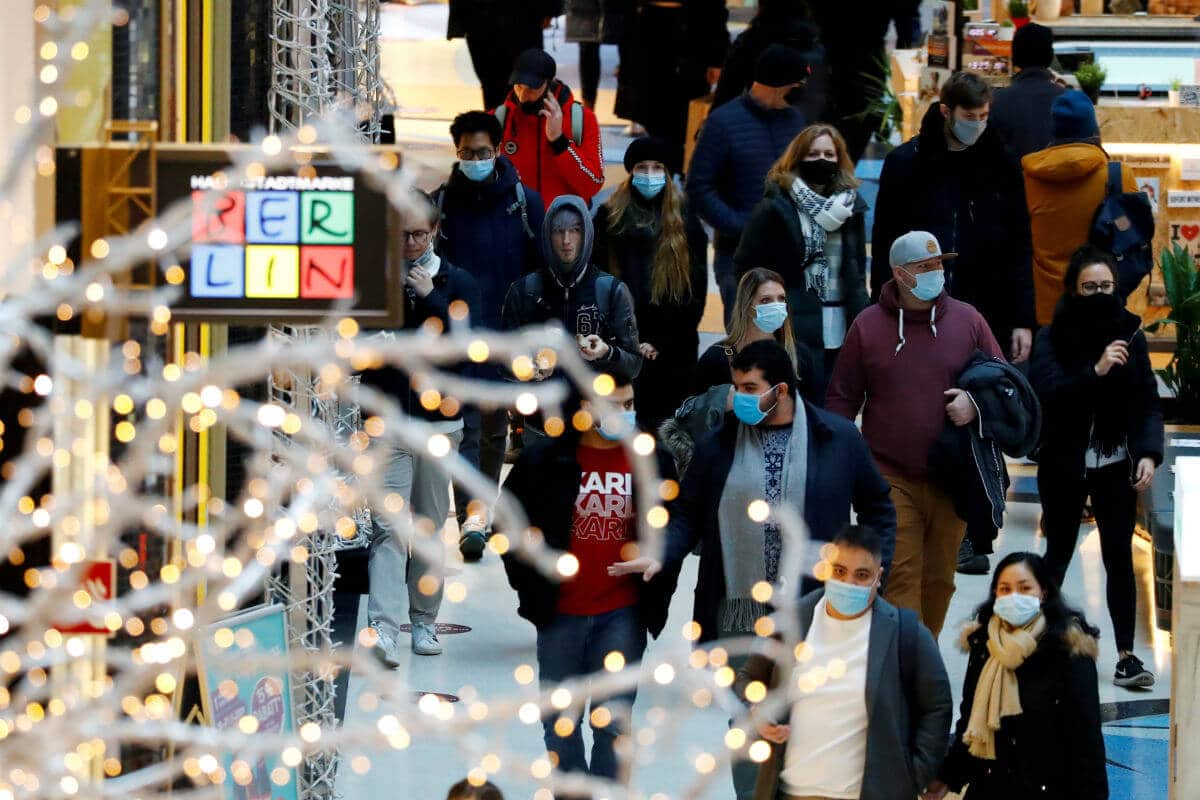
1017	609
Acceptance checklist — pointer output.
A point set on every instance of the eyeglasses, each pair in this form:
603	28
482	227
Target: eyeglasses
1091	287
482	154
416	237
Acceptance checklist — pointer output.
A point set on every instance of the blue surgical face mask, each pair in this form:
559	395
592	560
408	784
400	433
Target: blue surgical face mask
848	599
968	131
769	317
745	407
929	284
649	186
614	426
478	170
1017	609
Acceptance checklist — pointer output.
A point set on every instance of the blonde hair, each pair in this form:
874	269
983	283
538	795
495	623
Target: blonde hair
743	311
671	271
784	171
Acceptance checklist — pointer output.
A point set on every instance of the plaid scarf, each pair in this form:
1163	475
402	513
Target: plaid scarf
819	215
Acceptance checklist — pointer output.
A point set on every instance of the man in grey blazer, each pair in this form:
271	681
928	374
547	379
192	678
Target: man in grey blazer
863	708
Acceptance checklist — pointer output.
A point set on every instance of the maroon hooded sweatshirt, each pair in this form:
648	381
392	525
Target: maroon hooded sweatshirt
895	365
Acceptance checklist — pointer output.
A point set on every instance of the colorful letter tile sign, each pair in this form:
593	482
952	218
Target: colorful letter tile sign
273	244
296	247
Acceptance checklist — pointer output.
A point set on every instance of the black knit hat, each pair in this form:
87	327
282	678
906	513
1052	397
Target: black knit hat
780	65
1033	46
647	148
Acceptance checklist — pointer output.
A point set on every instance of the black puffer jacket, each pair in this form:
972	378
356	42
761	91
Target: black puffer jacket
973	201
545	480
773	238
968	461
1054	749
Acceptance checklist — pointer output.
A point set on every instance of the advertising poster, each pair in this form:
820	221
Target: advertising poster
1187	233
986	53
231	693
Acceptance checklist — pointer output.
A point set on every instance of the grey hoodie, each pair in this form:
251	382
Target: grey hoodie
567	277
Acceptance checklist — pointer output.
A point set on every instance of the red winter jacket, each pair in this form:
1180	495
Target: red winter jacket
559	167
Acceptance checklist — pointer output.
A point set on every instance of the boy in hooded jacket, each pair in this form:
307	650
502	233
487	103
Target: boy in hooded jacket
593	306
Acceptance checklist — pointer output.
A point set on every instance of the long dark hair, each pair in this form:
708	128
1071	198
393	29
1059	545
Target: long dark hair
1058	614
1086	256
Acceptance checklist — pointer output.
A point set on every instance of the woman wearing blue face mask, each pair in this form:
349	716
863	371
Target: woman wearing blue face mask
810	228
645	237
1030	718
760	312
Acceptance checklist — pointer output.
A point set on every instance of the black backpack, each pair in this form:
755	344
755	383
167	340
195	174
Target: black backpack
1124	226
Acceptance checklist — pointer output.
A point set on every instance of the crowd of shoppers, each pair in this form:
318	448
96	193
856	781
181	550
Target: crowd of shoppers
929	347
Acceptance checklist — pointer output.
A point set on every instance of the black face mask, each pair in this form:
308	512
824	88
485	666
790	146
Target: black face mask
821	172
533	107
1097	306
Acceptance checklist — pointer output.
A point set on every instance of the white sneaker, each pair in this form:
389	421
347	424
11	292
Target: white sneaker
424	640
384	650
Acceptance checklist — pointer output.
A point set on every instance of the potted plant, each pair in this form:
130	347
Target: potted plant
1049	10
884	109
1182	374
1018	11
1091	78
1173	93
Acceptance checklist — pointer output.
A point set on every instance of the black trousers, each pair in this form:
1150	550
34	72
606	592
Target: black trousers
589	71
485	438
1114	502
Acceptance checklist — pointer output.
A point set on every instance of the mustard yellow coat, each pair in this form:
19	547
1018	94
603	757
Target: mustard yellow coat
1063	186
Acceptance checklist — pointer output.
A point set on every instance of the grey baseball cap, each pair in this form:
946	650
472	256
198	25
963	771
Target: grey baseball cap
915	247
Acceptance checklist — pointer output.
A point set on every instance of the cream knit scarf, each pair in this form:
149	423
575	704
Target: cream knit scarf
997	694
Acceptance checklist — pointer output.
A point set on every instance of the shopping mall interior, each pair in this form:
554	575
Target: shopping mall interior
188	485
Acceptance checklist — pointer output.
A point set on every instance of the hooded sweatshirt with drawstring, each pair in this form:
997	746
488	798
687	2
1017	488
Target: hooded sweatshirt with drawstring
895	365
578	296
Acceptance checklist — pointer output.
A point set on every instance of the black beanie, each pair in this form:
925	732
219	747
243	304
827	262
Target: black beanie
647	148
780	65
1033	46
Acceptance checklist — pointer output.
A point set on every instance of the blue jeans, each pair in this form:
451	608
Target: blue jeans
572	647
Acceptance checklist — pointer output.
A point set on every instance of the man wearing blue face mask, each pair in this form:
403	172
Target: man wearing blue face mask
775	447
958	180
899	365
578	491
490	227
881	738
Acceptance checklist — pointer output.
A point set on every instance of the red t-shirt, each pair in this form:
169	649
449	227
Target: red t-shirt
604	522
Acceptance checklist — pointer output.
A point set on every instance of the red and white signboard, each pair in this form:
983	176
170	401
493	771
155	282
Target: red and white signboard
99	579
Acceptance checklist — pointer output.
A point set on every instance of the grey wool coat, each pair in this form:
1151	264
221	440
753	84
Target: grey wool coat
905	746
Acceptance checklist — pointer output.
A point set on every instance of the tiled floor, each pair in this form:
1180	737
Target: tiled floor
481	665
